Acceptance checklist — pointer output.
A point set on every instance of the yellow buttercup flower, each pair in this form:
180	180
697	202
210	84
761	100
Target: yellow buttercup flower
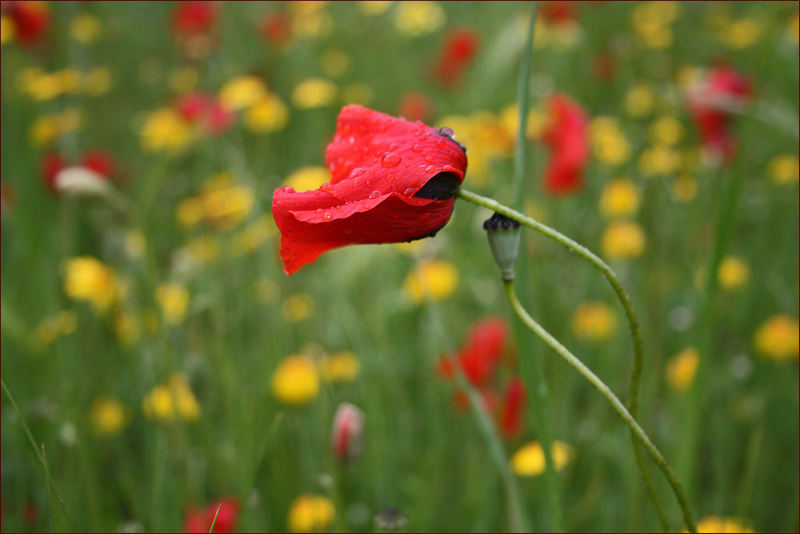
85	28
713	523
296	380
742	33
529	460
609	143
87	278
226	208
175	399
593	321
307	178
413	19
777	338
681	368
436	279
783	169
8	31
339	367
310	513
733	272
165	130
298	307
254	235
173	299
374	7
666	130
639	100
659	160
314	93
310	19
242	92
487	137
108	416
268	114
619	198
509	118
623	240
684	188
157	404
47	128
651	23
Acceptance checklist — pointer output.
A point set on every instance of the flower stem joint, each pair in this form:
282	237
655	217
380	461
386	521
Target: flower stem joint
503	234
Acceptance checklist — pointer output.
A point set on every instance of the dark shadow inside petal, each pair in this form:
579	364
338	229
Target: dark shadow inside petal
440	187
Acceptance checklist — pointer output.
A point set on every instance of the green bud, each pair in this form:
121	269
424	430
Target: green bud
503	236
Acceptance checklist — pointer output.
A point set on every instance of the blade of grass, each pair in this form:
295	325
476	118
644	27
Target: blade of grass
62	519
214	521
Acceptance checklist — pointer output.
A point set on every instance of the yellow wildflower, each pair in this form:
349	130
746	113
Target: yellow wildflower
651	23
313	93
619	198
157	404
335	63
487	138
639	100
623	240
357	93
47	128
783	169
509	118
296	380
374	7
436	279
681	368
254	235
733	272
298	307
593	321
339	367
713	523
310	513
413	19
268	114
63	323
226	208
173	299
609	142
684	188
666	130
777	338
85	28
307	178
242	92
185	402
190	212
97	81
8	31
87	278
529	460
310	19
742	33
793	29
126	327
659	160
164	129
183	80
108	416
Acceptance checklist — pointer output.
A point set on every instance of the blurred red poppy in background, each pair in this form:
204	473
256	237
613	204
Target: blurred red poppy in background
513	405
710	104
200	520
557	12
415	106
276	28
31	20
459	49
392	181
206	110
194	27
481	353
567	138
52	164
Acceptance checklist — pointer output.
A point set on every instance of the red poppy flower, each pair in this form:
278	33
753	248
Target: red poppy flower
480	355
193	17
31	20
200	520
392	180
460	47
557	12
415	106
511	418
100	162
205	109
722	87
566	136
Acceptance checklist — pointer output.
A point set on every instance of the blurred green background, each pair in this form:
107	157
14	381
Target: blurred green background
148	369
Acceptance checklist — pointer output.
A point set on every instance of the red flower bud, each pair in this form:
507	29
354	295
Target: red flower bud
567	138
348	431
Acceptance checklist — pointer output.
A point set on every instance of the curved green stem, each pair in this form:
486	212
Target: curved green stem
604	390
624	299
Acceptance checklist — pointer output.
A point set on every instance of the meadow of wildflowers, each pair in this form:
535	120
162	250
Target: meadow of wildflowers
165	165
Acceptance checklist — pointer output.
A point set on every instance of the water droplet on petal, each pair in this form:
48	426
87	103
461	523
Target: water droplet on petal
375	194
416	148
410	191
328	216
390	159
326	186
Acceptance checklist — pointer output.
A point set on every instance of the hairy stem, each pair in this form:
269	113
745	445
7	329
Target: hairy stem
624	299
604	390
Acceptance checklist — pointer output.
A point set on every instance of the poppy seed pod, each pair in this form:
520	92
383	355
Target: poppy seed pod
503	236
348	431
